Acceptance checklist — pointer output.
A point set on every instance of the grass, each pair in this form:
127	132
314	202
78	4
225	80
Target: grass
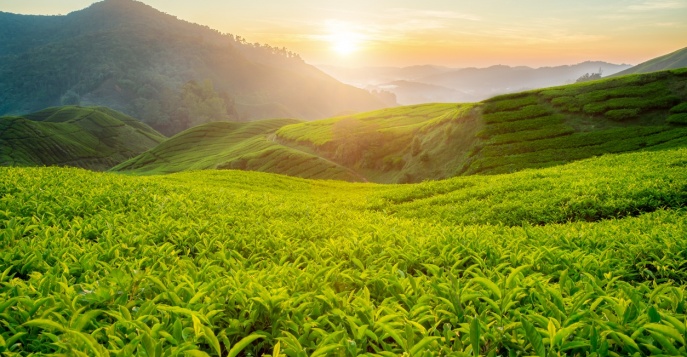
580	259
507	133
94	138
226	145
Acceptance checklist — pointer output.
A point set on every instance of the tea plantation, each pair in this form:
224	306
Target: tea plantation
508	133
95	138
583	259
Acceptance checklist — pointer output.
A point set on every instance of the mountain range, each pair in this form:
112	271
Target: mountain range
424	84
171	74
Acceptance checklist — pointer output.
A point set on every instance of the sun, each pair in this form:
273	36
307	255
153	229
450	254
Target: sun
345	43
343	37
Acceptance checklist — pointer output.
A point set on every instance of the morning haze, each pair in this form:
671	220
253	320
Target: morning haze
451	33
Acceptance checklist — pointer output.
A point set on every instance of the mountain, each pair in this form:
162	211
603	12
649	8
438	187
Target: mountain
532	129
170	73
241	146
92	138
677	59
371	76
468	84
408	92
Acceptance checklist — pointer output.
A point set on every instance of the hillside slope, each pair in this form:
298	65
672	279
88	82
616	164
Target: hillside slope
128	56
674	60
580	258
508	133
93	138
241	146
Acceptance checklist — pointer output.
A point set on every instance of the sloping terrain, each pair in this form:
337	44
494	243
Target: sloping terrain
130	57
507	133
674	60
241	146
584	259
92	138
434	141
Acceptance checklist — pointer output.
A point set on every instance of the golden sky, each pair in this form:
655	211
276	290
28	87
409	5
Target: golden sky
456	33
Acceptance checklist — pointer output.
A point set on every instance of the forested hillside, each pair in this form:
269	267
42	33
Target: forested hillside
169	73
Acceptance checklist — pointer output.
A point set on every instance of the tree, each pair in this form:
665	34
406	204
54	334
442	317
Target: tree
589	77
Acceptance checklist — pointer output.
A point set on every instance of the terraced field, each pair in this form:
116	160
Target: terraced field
93	138
508	133
241	146
583	259
562	124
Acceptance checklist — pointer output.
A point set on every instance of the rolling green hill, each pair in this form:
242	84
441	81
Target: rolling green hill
674	60
508	133
583	259
243	146
171	74
94	138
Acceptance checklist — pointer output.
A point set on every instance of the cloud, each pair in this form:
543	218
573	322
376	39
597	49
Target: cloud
405	13
656	5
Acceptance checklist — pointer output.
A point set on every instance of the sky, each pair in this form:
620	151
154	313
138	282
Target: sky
455	33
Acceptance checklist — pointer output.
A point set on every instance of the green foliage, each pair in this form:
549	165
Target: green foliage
575	260
619	115
241	146
528	112
95	138
507	133
128	56
589	77
622	114
677	118
680	108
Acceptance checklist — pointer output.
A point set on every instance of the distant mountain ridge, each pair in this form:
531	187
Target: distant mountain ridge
673	60
128	56
465	84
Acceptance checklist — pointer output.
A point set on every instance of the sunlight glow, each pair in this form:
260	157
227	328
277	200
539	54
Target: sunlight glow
344	43
343	39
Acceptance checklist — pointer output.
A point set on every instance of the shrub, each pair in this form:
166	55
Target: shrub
622	114
530	111
680	108
680	118
509	104
567	103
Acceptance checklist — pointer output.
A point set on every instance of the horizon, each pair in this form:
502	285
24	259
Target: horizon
439	33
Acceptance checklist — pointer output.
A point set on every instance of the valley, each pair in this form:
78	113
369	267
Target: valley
170	188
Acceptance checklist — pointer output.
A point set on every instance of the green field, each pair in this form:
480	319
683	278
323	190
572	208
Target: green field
539	128
95	138
239	146
583	259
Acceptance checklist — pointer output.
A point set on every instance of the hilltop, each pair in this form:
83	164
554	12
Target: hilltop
240	146
674	60
507	133
169	73
93	138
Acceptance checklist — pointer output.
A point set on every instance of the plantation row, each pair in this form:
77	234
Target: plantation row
94	138
553	126
240	263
